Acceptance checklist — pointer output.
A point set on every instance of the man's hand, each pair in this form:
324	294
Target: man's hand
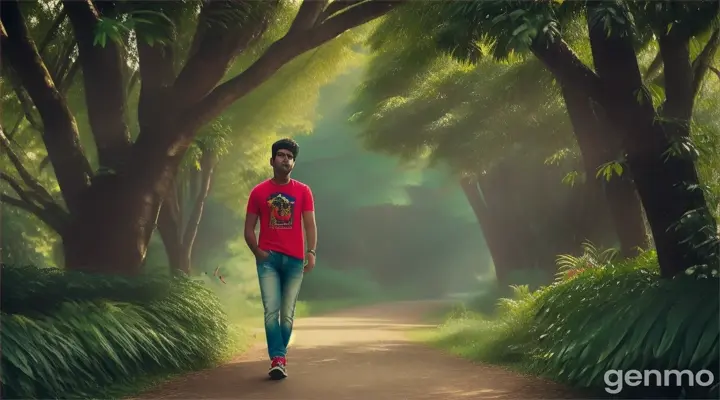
261	255
310	262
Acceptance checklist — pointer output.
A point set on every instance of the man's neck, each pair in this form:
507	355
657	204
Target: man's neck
281	180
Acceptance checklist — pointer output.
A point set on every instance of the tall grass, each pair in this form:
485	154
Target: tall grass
80	347
600	314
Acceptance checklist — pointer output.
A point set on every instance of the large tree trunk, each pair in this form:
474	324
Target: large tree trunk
496	239
599	145
666	185
664	181
526	224
112	233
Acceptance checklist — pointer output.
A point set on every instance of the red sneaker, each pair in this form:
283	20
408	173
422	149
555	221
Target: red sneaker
278	368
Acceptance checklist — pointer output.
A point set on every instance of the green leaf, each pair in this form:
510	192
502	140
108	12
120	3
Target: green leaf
674	327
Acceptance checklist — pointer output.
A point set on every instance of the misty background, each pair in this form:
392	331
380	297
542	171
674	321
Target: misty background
404	227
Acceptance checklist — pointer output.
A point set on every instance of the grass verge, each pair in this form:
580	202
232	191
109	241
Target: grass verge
597	317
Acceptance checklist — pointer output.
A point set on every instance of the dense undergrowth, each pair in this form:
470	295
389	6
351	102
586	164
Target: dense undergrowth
73	335
599	315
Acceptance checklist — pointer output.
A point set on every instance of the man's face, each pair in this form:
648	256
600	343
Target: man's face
283	161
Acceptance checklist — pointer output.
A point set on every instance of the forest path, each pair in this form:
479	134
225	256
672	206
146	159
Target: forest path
361	353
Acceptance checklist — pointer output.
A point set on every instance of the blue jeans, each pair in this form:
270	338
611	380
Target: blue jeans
280	278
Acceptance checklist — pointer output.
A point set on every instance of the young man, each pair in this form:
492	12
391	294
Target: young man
281	203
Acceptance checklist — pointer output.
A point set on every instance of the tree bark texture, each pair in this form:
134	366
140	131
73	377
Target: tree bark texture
664	184
599	144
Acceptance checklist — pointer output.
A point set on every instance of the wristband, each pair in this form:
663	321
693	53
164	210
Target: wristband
312	252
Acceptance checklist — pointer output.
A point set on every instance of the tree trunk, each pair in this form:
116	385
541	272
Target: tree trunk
207	169
169	228
112	233
626	211
119	215
663	183
599	144
496	238
179	242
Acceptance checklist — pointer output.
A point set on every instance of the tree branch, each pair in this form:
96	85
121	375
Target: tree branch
69	78
307	15
24	196
702	62
215	47
63	63
715	70
104	85
32	209
337	6
207	167
157	76
48	212
52	32
23	99
678	74
60	130
55	222
35	186
279	54
169	228
565	65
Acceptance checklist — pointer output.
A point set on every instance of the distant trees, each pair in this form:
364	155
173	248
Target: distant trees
649	136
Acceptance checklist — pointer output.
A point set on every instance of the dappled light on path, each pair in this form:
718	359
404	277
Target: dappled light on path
361	354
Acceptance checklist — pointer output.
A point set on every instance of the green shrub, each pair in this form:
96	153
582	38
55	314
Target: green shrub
622	316
600	315
86	346
33	290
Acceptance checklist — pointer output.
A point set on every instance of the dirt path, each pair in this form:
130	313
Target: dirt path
360	354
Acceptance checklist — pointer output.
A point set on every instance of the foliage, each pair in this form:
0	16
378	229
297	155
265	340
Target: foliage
25	239
706	138
30	290
466	116
617	316
469	331
88	344
592	257
622	317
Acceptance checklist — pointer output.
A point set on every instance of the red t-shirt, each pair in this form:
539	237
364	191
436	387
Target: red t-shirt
280	208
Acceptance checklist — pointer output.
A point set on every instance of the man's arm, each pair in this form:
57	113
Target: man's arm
250	237
308	218
251	219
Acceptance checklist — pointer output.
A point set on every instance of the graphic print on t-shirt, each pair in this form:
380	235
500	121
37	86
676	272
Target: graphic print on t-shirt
281	210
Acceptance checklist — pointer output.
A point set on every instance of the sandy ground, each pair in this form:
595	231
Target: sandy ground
361	354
